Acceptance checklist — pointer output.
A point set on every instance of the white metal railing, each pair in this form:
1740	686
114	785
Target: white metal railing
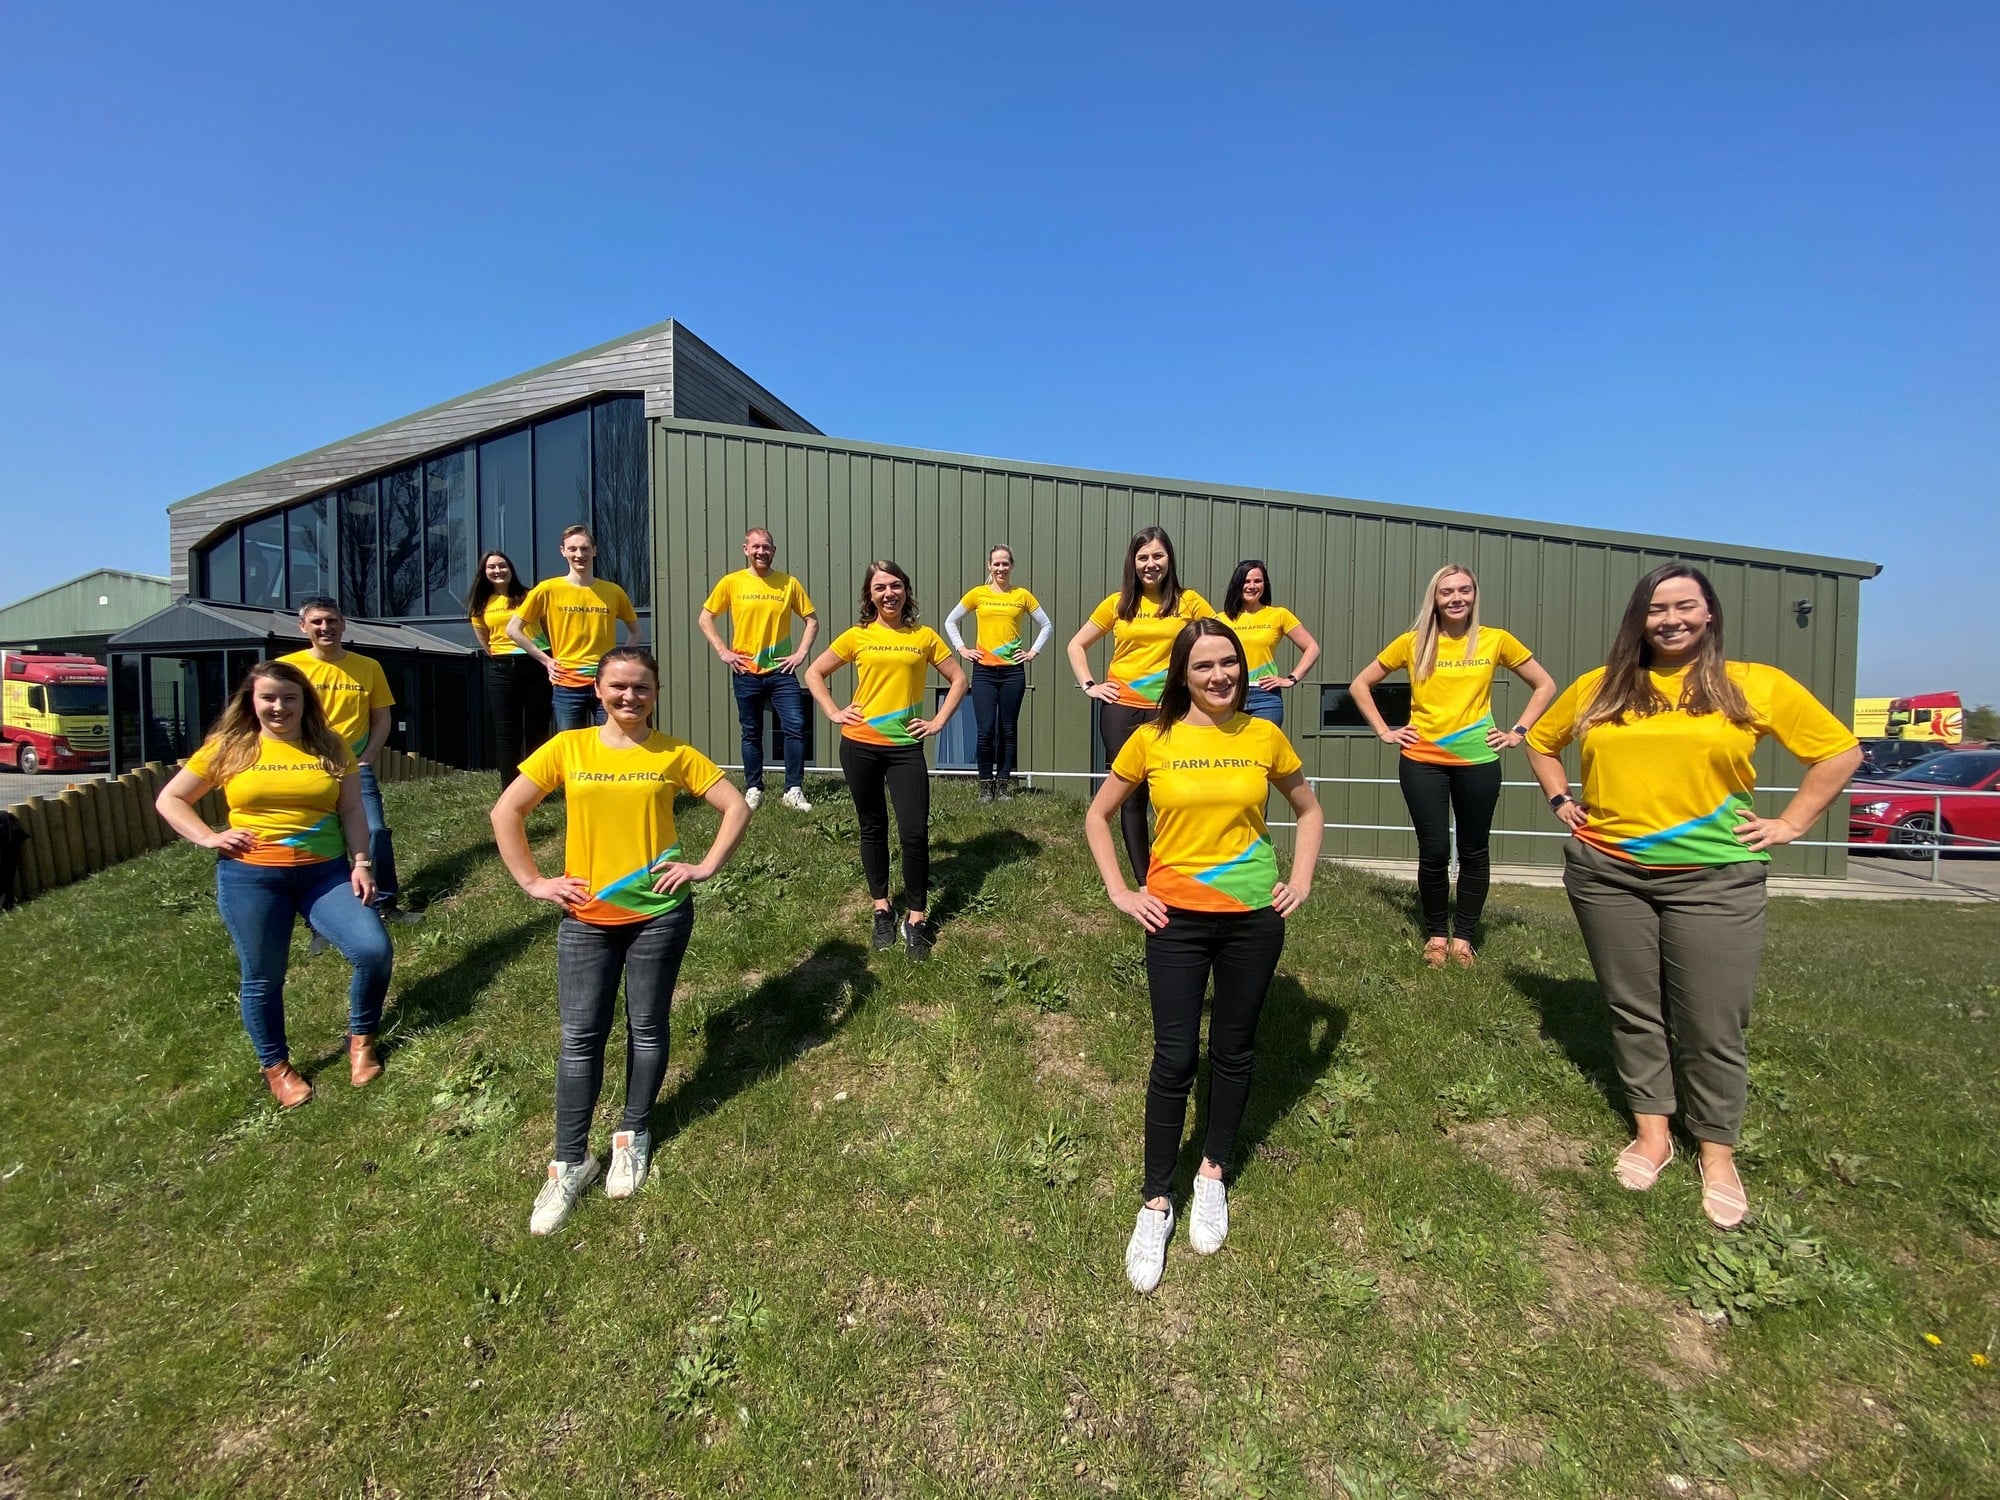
1935	844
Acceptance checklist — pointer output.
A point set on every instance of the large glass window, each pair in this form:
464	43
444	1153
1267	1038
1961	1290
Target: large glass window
309	547
449	525
403	542
264	562
506	496
222	571
360	550
623	515
562	489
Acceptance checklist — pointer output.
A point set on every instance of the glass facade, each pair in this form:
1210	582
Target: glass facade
404	544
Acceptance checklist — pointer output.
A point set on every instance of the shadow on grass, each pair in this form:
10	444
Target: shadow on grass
785	1016
1298	1037
1575	1017
1398	900
957	878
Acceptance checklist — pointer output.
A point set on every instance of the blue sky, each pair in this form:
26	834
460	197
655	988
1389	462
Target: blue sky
1711	270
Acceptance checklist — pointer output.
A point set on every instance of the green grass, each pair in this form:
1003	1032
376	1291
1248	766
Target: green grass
881	1250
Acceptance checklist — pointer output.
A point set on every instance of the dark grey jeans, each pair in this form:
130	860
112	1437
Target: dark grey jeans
589	961
1676	954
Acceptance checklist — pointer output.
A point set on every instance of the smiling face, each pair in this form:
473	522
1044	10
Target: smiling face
761	550
1454	599
324	628
1676	620
885	592
578	550
1214	670
1151	563
627	691
279	705
1253	589
499	572
999	566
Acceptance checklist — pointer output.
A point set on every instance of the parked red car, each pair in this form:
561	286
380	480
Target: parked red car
1901	814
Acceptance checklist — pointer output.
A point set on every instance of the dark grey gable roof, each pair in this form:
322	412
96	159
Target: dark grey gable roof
192	623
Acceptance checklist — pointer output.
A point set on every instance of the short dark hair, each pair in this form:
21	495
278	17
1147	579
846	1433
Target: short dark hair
321	601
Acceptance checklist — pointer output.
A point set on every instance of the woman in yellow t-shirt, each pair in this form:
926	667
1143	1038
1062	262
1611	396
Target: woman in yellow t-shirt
1260	623
1449	761
294	813
882	734
517	686
999	657
626	897
1212	905
1143	619
1665	863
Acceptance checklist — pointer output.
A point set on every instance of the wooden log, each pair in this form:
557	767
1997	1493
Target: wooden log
101	801
61	872
48	830
152	777
82	804
125	817
34	878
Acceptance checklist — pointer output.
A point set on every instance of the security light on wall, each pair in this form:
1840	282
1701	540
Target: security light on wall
1803	609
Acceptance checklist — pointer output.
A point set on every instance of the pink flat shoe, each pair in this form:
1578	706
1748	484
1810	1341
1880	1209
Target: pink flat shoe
1635	1171
1725	1205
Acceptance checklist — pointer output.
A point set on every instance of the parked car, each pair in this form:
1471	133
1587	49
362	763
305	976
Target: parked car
1901	814
1884	758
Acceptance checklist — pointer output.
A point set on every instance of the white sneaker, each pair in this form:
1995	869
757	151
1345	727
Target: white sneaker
631	1159
1208	1216
795	799
755	797
558	1198
1146	1252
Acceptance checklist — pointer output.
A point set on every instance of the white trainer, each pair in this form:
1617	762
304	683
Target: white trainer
558	1198
1208	1216
631	1159
755	797
795	799
1146	1252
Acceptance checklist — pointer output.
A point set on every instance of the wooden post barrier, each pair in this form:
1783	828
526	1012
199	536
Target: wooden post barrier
85	852
35	867
103	800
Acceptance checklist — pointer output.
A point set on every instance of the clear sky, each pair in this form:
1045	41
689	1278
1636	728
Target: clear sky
1714	270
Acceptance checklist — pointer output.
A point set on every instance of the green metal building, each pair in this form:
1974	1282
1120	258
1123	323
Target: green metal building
83	614
672	453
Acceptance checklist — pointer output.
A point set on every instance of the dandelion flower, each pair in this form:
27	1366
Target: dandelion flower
1933	1340
1979	1361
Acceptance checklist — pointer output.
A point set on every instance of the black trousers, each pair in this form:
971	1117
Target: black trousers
876	776
517	706
996	705
1239	950
1115	724
1438	796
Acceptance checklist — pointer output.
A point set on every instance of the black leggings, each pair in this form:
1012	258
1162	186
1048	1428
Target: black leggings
517	706
996	704
1240	948
1438	795
1115	724
877	775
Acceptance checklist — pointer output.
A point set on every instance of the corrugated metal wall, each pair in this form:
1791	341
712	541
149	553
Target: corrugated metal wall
1350	570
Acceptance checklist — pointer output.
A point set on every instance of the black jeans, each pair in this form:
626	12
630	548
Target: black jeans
1115	724
517	706
1240	949
589	961
996	704
1438	796
877	775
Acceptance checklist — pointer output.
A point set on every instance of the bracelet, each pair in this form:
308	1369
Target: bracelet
362	862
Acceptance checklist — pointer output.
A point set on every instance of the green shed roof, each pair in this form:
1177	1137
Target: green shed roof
99	603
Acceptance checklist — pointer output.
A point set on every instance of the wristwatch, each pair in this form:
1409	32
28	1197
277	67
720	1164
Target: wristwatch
1556	802
1089	683
1521	730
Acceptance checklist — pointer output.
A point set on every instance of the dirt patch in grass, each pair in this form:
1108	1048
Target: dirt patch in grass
1585	1282
1521	1151
1054	1043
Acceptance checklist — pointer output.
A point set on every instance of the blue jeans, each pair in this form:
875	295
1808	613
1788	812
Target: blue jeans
258	903
589	961
577	708
781	691
1264	703
996	705
381	847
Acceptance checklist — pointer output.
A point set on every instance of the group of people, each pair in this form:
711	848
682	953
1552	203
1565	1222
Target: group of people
1664	869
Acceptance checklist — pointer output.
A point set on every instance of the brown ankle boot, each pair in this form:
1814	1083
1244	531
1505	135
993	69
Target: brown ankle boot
363	1066
287	1087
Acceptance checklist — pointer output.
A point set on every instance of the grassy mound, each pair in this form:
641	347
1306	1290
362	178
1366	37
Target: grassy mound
881	1249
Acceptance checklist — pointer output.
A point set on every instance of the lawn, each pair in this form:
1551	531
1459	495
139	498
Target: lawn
881	1249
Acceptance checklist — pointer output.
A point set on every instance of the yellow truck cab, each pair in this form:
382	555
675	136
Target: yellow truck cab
54	713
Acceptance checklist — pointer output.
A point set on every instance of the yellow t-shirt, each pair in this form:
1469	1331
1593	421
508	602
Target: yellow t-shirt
350	690
760	614
1002	616
621	816
1260	630
1142	646
1453	707
580	624
494	615
1668	789
287	798
1211	850
889	671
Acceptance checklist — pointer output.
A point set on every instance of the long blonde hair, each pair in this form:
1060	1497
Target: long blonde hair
237	736
1424	650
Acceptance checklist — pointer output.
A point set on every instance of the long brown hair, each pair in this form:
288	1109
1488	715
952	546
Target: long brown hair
1626	692
1176	697
237	736
883	565
1424	649
483	589
1170	586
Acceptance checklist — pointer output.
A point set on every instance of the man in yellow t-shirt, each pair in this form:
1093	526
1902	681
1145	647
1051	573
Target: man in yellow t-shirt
355	696
578	615
763	661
